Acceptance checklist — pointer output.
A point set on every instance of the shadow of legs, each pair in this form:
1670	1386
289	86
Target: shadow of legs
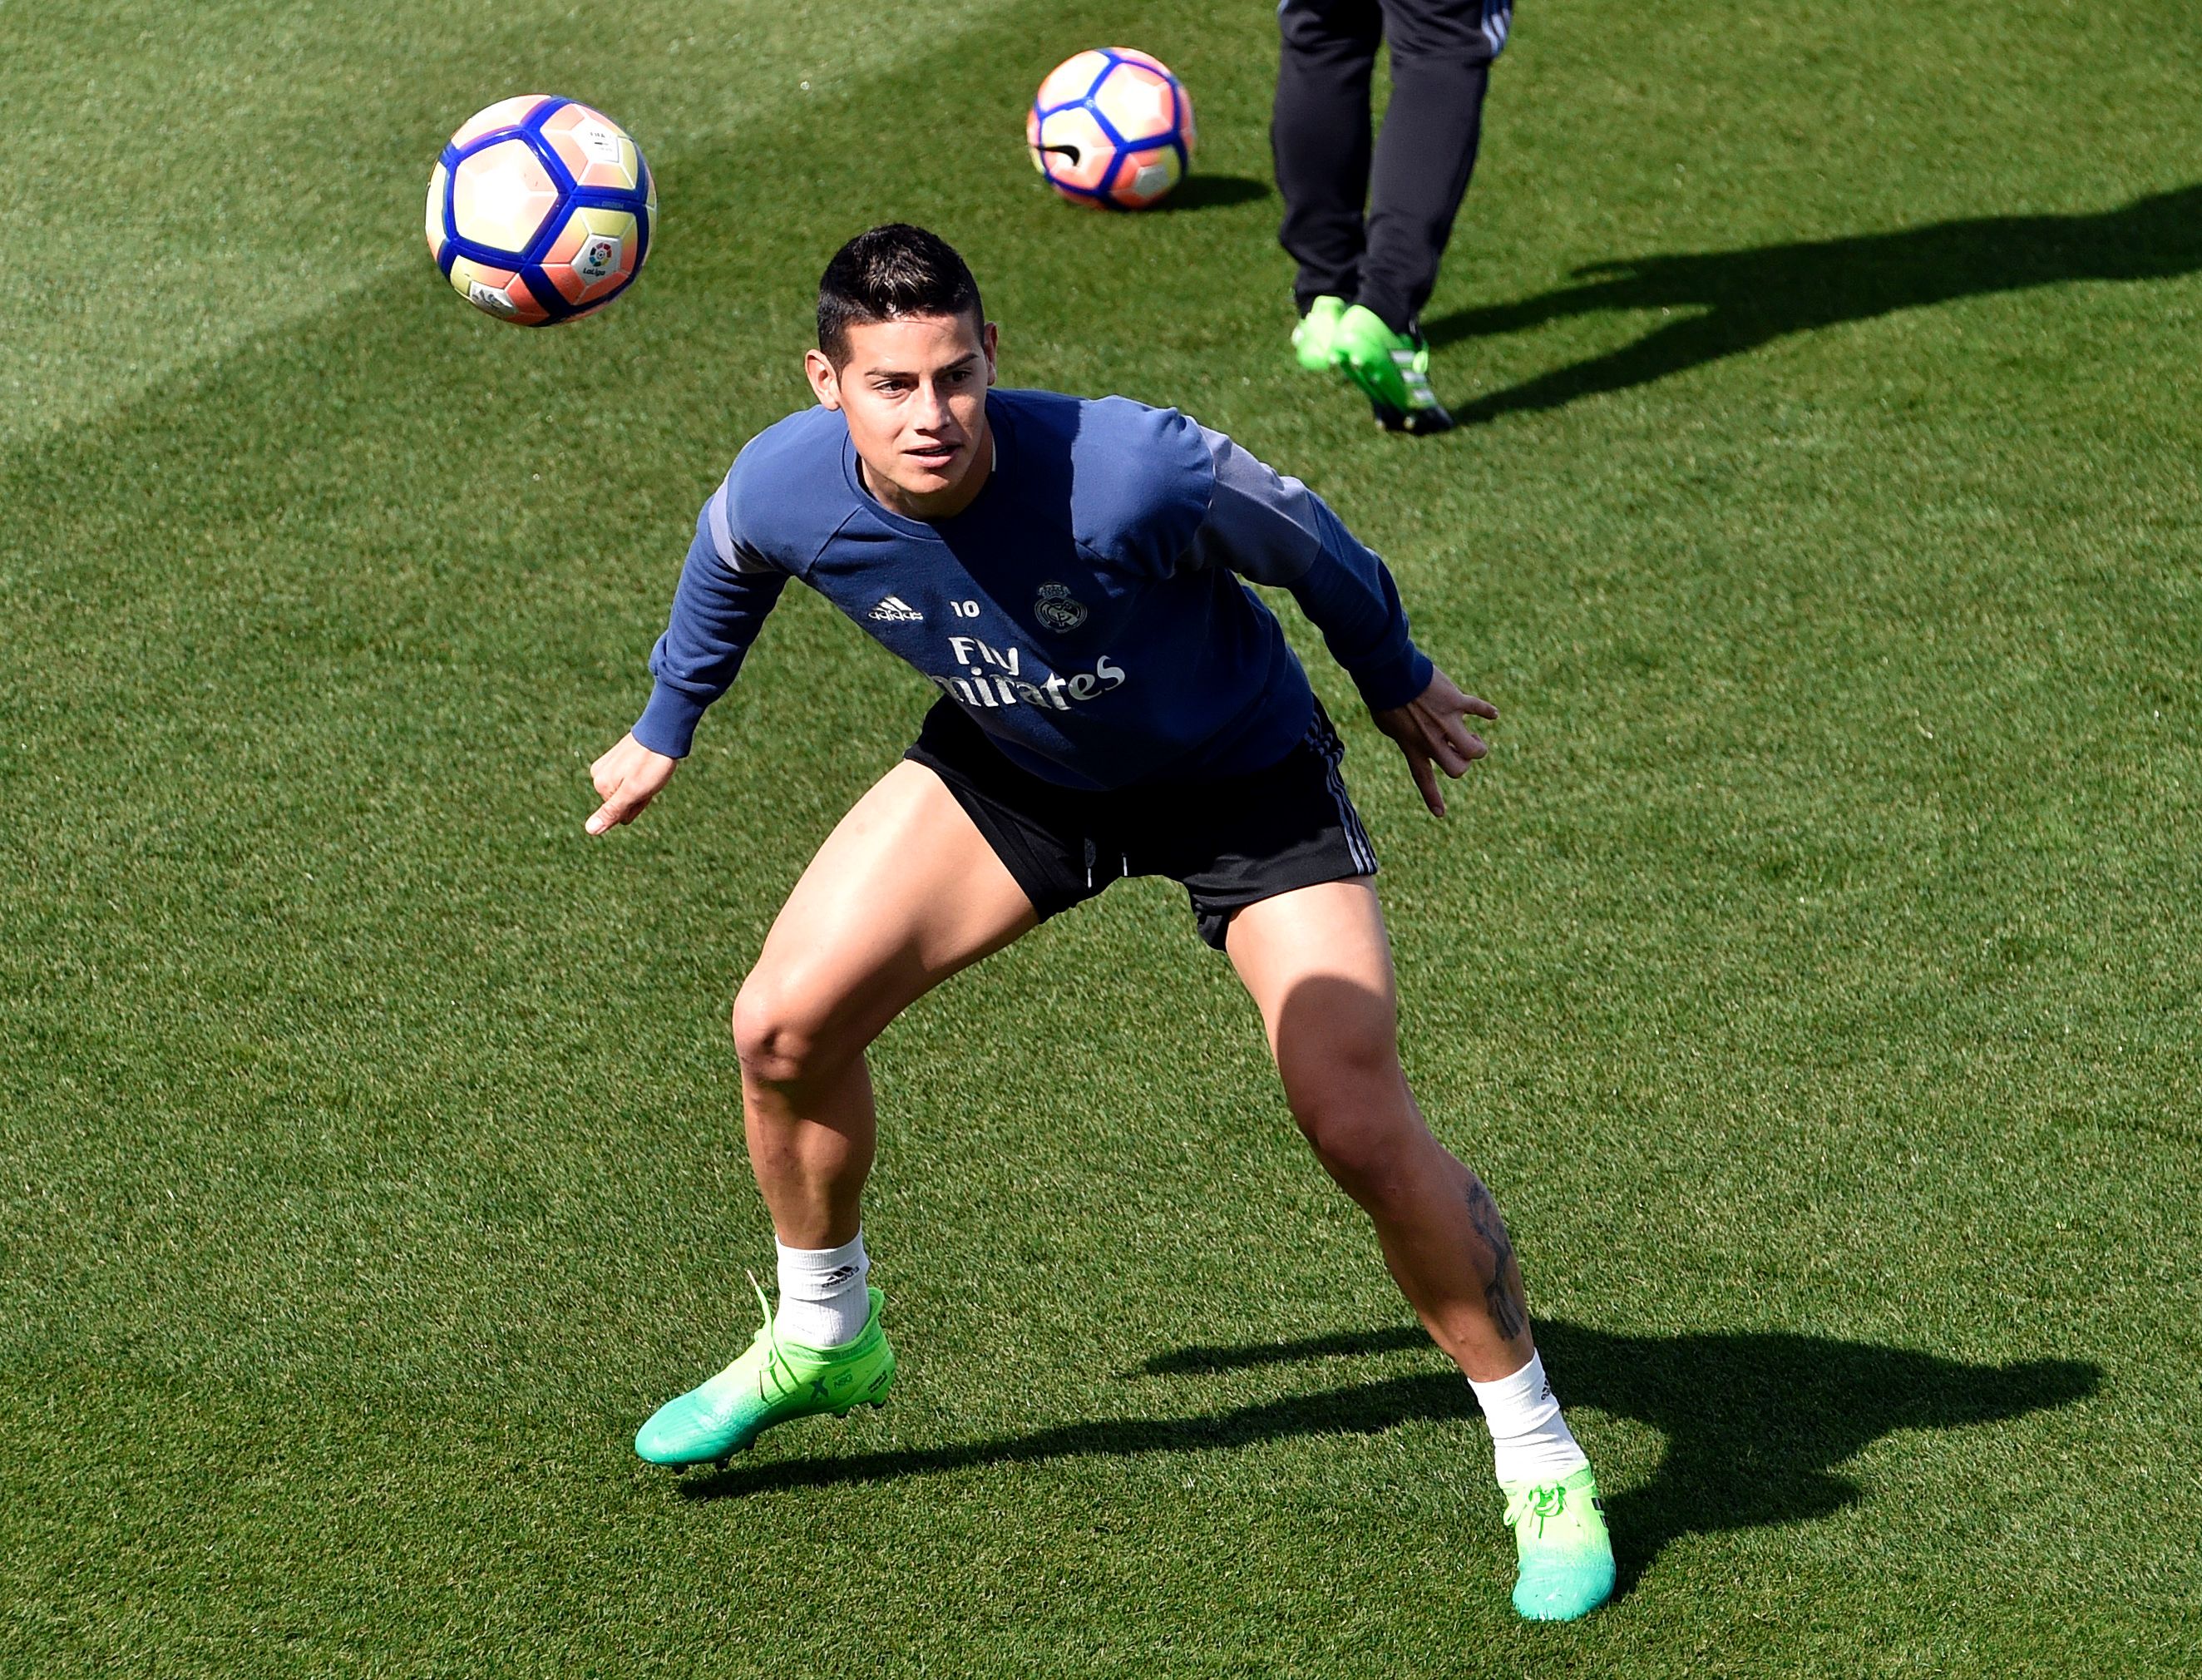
1369	1409
1756	1422
1734	301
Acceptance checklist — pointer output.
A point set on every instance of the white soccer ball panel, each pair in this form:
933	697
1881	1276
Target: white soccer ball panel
505	114
501	195
595	151
1074	150
1133	56
1069	79
1137	103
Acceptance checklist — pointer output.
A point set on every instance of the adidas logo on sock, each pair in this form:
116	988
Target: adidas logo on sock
897	610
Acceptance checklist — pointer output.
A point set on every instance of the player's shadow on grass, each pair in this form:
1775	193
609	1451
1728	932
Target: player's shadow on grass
1756	1422
1730	302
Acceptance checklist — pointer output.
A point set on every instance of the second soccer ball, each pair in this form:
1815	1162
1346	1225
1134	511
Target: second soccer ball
1111	128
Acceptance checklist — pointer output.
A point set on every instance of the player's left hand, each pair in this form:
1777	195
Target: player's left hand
1429	733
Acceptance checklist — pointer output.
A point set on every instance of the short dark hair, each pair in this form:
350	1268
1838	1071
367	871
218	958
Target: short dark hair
886	274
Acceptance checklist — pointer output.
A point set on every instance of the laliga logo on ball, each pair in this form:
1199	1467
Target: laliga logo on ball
540	210
1111	128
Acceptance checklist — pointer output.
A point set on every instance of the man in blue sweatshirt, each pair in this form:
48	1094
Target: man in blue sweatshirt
1114	701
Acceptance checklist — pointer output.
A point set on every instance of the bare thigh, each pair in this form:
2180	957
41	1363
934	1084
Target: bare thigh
904	892
1318	965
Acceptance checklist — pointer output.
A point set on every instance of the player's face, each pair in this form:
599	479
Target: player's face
914	391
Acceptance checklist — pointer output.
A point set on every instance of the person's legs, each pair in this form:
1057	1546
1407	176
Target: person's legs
904	892
1319	138
1318	967
1441	52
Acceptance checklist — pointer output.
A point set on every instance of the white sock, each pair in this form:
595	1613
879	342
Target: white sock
1530	1440
822	1300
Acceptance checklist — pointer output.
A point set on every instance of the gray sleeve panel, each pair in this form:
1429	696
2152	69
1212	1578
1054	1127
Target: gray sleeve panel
725	591
1262	525
1272	529
737	555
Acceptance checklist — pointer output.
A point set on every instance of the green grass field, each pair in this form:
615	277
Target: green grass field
1811	968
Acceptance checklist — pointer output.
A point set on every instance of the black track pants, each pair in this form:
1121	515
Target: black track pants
1442	53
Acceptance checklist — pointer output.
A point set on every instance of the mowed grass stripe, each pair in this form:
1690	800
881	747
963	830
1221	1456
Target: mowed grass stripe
245	166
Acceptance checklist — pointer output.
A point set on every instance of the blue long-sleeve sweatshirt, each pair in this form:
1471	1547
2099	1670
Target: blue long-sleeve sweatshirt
1085	610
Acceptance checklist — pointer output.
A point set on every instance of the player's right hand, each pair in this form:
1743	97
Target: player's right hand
627	778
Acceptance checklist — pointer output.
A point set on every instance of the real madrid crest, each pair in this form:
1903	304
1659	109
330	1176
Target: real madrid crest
1055	611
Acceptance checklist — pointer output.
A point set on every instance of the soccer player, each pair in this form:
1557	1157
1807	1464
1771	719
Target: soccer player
1363	279
1113	702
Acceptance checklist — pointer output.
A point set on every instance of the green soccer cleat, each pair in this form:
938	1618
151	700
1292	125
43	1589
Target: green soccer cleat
1392	370
1314	344
770	1384
1566	1555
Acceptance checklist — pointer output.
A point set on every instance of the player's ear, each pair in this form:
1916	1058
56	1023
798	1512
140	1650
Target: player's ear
825	385
989	337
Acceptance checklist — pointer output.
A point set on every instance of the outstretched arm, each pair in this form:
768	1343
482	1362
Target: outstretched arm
725	591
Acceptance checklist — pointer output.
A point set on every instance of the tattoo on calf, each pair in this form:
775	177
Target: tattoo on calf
1502	1291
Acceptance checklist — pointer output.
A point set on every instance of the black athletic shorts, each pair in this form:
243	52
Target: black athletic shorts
1231	841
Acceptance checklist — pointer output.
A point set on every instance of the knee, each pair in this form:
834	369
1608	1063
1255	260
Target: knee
1356	1115
1372	1155
783	1036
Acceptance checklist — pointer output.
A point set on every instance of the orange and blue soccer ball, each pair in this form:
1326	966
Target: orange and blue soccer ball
1111	128
541	211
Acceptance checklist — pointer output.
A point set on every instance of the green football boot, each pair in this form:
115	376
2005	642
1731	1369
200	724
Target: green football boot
1314	344
772	1382
1392	370
1565	1554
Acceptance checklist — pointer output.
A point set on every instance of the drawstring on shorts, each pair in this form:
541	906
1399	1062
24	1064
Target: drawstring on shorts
1093	856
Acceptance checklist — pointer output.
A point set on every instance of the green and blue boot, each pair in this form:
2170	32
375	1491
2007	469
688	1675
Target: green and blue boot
1565	1552
773	1382
1314	337
1393	371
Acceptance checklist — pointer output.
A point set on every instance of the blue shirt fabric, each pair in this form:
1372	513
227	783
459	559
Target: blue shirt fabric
1086	610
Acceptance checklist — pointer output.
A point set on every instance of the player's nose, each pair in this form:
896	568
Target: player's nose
933	417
